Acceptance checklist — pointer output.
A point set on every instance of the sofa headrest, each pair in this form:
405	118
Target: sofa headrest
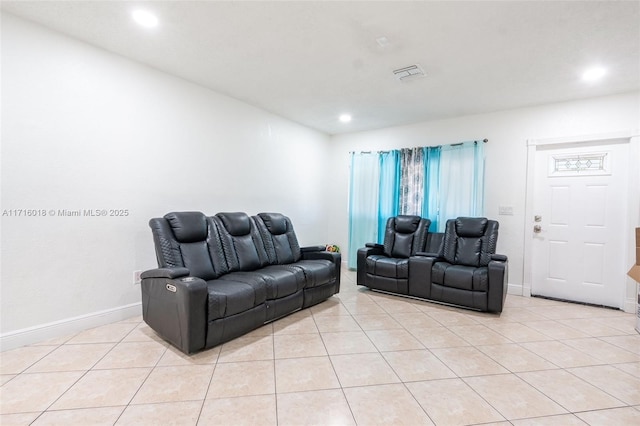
407	224
276	223
471	226
188	227
236	223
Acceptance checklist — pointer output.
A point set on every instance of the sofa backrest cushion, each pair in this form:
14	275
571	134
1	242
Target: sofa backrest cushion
188	227
470	241
167	247
242	245
181	239
405	235
280	241
276	223
216	250
236	224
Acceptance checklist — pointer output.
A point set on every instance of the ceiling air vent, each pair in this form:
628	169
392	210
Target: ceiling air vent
409	73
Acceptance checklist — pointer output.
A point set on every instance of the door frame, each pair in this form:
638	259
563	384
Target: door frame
632	137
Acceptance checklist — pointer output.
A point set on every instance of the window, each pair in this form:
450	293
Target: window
438	183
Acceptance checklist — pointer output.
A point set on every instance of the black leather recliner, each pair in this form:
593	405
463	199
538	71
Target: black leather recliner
466	271
222	276
321	268
457	267
386	266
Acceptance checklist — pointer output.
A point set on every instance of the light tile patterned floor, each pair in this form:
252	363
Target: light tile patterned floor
360	358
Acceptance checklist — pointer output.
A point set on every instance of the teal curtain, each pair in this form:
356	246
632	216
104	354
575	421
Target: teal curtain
432	185
478	179
461	181
363	202
389	190
438	183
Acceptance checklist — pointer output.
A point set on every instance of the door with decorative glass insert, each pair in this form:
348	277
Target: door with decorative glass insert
580	205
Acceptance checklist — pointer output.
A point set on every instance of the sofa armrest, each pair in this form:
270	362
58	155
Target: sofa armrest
170	273
427	254
420	274
176	308
361	260
322	254
312	248
498	284
499	257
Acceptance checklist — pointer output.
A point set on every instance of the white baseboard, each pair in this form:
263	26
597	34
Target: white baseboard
65	327
518	290
630	305
515	289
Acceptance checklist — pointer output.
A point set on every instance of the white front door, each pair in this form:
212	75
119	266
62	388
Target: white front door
580	205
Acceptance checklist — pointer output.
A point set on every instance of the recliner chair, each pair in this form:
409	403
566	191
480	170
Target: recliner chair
386	266
466	271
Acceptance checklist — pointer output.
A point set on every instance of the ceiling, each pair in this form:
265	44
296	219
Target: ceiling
310	61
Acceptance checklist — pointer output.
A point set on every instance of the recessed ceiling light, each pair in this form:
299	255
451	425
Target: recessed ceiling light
145	18
593	74
345	118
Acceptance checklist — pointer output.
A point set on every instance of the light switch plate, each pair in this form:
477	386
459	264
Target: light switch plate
505	210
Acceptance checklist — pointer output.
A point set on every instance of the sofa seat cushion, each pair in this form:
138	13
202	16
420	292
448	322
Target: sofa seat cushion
390	267
227	297
317	272
277	280
460	276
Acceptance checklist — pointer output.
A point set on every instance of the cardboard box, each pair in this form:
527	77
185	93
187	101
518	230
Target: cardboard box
634	272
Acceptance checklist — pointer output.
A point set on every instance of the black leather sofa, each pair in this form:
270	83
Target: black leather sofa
219	277
457	267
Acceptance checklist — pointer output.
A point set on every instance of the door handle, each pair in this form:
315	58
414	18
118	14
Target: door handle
537	229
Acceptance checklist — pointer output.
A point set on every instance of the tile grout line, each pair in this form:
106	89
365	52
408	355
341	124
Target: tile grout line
622	332
344	395
87	372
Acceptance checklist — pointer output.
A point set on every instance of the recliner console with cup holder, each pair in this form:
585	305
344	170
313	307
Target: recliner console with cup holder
457	267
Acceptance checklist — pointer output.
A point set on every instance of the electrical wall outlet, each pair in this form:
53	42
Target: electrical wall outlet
505	210
136	277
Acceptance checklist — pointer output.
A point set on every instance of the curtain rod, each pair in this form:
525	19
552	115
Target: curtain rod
462	143
369	152
485	140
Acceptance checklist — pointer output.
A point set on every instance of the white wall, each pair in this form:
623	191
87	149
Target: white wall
85	129
506	155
